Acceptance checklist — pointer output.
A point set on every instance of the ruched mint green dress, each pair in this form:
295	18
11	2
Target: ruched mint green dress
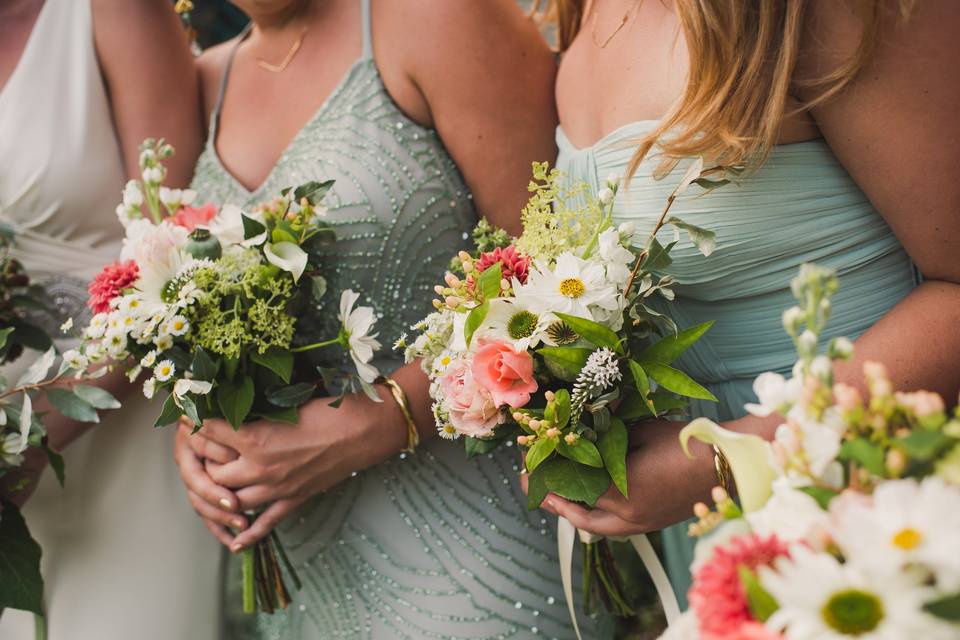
801	206
430	545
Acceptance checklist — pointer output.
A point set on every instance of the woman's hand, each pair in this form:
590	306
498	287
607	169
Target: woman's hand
655	463
283	465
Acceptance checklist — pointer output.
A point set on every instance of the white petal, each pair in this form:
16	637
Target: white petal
347	300
288	256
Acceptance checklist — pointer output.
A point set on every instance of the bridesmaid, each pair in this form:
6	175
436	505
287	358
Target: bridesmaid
850	122
425	114
82	82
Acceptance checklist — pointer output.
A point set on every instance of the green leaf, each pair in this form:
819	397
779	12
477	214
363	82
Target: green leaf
56	463
538	452
593	332
488	282
474	319
96	397
38	370
926	445
203	366
672	346
293	395
865	453
761	604
582	451
704	240
252	228
278	360
565	362
313	191
67	403
169	414
479	446
30	336
286	416
190	409
677	381
22	583
562	403
236	400
947	608
658	256
4	334
822	495
613	448
575	481
642	383
536	490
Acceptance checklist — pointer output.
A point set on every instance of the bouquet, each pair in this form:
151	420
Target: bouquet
848	523
21	427
215	307
549	340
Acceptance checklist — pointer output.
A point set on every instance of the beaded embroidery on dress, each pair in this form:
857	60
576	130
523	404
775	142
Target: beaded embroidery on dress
423	546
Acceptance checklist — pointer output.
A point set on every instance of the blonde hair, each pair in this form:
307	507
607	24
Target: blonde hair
743	54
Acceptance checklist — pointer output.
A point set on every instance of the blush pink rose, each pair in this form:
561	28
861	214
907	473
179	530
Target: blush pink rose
471	407
507	374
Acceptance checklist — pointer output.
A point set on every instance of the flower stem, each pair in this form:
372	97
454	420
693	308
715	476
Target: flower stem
315	345
646	252
249	595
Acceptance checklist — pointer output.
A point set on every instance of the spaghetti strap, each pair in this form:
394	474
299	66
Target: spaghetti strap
222	90
367	20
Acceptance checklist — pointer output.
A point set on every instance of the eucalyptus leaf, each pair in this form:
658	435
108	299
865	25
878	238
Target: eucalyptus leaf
96	397
72	406
593	332
677	381
658	256
703	239
693	172
189	408
39	369
22	584
169	413
612	446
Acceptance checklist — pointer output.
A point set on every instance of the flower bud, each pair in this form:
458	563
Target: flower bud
840	348
467	267
439	289
464	257
518	417
605	196
571	438
453	302
613	181
452	280
807	343
534	424
821	367
718	494
523	440
896	462
437	304
701	510
627	229
550	396
792	318
553	432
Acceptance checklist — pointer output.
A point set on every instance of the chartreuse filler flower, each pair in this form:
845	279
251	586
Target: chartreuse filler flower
548	341
847	525
215	308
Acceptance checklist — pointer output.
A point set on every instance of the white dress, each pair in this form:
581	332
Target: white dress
124	555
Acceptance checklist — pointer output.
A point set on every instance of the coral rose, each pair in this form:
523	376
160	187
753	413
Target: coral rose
471	408
507	374
190	218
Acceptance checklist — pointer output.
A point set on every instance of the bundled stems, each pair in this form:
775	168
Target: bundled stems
263	579
600	577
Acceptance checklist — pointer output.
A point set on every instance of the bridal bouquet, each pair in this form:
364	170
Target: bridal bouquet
848	523
548	340
216	307
21	427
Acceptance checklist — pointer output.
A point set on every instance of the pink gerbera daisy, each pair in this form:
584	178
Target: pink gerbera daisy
110	283
718	596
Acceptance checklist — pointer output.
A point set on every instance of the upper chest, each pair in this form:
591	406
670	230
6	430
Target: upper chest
16	25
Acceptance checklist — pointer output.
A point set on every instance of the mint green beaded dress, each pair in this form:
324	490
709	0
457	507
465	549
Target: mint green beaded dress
430	545
801	206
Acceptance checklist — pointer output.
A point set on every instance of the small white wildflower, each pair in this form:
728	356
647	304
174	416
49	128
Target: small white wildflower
792	318
150	388
132	196
447	432
153	175
165	370
841	348
613	180
401	342
150	359
807	343
599	372
163	342
178	326
75	360
134	373
627	229
66	326
97	327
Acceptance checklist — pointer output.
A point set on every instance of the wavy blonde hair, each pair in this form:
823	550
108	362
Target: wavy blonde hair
743	54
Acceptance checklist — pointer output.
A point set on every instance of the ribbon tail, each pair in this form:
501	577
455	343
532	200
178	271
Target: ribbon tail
671	608
566	537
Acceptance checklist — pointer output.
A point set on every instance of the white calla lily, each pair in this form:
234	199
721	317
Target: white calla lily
748	455
288	256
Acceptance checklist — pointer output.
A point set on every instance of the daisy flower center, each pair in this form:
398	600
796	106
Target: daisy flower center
522	324
572	287
853	612
907	539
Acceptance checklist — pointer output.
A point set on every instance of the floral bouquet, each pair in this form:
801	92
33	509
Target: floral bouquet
848	523
21	428
218	306
548	340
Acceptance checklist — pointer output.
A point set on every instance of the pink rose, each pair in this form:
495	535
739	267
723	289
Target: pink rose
471	407
190	218
507	374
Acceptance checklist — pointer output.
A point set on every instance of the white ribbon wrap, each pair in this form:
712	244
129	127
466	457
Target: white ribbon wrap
566	537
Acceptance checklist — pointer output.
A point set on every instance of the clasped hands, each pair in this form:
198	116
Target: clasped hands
273	468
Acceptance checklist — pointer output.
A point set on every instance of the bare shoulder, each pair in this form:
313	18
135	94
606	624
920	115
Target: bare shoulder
211	65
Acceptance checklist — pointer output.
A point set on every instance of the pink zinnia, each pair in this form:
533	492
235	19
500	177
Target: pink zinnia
190	218
513	264
110	283
719	598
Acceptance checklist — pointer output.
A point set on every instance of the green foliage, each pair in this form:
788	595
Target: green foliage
575	481
488	282
593	332
762	605
677	381
565	362
96	397
671	347
72	406
277	360
612	445
947	608
536	490
538	452
170	413
864	453
22	584
474	319
582	451
291	396
235	400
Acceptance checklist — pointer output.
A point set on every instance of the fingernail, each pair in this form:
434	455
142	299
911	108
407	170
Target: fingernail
237	524
236	548
226	504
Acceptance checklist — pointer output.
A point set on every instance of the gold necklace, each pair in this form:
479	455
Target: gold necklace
287	59
623	22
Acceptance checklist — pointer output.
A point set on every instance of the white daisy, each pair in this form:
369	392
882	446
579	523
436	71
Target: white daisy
510	319
177	326
150	388
75	360
574	286
149	359
163	342
356	324
907	523
791	515
821	599
165	370
97	327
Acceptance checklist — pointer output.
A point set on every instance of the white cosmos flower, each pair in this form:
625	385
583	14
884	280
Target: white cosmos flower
775	393
357	324
185	385
150	388
574	286
510	319
905	523
822	599
227	226
617	258
164	370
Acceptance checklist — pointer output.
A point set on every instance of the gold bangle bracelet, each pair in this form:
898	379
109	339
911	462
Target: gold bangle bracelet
413	436
722	468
